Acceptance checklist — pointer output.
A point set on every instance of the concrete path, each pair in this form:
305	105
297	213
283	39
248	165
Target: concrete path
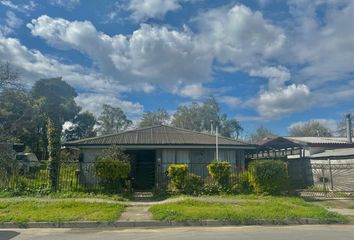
313	232
343	211
136	213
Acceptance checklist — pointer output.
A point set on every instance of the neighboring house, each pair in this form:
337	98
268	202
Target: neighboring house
153	149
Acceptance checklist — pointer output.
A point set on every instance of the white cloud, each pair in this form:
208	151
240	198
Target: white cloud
152	54
11	23
33	65
24	8
277	75
276	104
232	102
324	46
239	36
144	9
194	91
68	4
93	102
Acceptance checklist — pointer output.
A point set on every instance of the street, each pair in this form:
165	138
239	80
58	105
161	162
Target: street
308	232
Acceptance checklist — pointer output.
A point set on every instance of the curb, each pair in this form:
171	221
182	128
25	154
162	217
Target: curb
157	224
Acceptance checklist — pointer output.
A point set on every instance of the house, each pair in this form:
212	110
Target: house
153	149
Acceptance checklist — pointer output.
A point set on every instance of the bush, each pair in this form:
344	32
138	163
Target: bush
268	176
193	184
239	183
177	174
220	172
113	169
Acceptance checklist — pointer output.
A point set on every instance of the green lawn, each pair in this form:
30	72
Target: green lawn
21	211
277	209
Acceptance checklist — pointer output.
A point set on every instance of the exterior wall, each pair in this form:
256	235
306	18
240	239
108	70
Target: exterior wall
197	159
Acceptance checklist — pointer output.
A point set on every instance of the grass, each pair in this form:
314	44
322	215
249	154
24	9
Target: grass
58	211
276	209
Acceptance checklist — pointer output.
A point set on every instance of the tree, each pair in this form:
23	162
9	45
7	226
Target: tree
198	117
9	77
83	127
112	120
56	100
260	133
20	118
154	118
341	130
311	128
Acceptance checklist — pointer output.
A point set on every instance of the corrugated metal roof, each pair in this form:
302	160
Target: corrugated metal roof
341	152
319	140
157	135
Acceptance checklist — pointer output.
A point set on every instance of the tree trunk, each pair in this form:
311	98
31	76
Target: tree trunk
54	135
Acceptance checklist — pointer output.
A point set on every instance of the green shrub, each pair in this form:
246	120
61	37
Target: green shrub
268	176
239	183
220	172
177	174
193	184
113	168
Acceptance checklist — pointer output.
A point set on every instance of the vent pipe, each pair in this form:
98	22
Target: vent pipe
211	127
349	128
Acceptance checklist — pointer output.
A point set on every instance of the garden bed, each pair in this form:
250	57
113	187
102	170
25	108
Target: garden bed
279	210
22	211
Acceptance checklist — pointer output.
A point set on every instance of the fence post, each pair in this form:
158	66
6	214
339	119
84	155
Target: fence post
330	173
323	180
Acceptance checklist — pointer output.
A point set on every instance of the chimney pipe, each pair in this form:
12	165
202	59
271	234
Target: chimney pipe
349	128
211	127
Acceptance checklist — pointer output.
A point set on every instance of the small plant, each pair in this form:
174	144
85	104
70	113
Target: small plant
193	184
113	169
239	183
177	174
220	172
268	176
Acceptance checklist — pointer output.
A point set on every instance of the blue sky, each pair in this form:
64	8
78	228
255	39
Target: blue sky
273	63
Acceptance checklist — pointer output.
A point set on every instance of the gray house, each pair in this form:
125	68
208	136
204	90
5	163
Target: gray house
153	149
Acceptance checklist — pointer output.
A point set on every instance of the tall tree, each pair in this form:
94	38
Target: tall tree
311	128
112	120
83	127
260	133
56	99
9	77
151	118
198	117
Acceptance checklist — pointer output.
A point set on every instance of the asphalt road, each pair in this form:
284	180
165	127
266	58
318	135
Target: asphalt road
308	232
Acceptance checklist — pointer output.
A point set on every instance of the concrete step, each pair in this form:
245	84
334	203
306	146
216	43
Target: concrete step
143	196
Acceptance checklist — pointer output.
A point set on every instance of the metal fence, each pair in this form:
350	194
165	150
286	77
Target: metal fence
325	178
73	176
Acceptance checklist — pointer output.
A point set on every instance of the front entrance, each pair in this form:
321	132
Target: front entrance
143	169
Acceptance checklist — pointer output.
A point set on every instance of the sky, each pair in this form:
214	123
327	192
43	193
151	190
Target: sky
274	63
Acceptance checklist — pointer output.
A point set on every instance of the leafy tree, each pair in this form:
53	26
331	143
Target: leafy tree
311	128
83	127
112	120
198	117
9	77
56	100
154	118
260	133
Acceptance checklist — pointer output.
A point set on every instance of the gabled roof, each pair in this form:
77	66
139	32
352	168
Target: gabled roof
158	135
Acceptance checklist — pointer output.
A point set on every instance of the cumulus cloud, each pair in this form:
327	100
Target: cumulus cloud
144	9
194	91
275	104
11	23
153	54
93	102
239	36
323	46
277	75
33	65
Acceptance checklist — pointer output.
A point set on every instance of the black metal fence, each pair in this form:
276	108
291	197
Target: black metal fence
73	176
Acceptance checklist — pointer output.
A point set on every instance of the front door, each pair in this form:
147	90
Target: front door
143	169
